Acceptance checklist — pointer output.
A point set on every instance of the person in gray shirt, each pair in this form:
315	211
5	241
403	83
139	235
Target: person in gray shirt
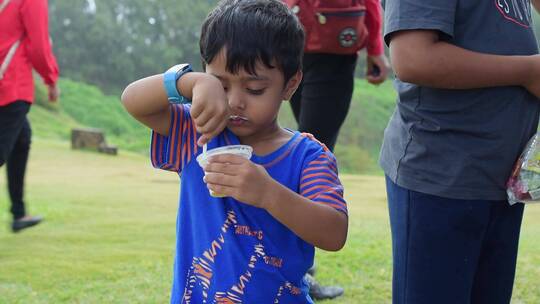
468	82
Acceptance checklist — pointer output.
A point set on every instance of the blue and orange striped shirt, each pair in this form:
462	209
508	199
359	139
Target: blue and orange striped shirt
230	251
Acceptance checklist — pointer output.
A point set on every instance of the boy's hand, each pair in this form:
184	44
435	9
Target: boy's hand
210	108
237	177
377	69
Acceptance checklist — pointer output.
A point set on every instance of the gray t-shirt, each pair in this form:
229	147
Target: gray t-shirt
460	144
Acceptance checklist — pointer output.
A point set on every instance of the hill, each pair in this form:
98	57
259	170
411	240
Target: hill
85	105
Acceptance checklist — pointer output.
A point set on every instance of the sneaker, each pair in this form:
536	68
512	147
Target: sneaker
318	292
25	222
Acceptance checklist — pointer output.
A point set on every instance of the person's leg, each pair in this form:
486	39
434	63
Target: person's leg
495	274
15	131
16	168
321	105
436	246
11	123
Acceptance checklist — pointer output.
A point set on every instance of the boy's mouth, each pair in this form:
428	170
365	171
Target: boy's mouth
237	120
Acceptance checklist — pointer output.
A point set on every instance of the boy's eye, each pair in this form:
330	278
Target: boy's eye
256	92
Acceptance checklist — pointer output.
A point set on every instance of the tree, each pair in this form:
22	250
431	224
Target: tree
111	43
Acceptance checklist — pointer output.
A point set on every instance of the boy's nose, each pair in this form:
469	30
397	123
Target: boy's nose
236	101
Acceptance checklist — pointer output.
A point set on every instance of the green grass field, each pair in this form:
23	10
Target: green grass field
109	235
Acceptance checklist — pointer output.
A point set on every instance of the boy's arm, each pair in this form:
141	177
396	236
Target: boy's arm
420	57
317	224
314	217
146	100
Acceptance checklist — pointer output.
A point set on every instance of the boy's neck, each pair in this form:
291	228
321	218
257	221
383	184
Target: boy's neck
269	141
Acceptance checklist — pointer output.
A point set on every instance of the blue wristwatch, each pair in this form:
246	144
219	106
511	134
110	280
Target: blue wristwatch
170	79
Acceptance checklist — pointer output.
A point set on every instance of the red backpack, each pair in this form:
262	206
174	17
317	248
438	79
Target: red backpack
331	26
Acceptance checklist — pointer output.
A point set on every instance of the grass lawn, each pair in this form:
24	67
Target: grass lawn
109	235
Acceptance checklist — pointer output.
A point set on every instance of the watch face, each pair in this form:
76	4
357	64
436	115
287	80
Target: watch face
179	68
182	69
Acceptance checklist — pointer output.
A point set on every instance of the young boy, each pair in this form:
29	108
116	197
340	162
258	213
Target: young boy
256	244
468	84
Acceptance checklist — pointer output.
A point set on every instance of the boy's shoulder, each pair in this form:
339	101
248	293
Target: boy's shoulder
314	149
313	144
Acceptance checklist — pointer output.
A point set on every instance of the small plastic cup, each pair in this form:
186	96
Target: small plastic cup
241	150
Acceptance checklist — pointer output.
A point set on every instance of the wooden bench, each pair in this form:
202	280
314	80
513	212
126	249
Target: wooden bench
91	138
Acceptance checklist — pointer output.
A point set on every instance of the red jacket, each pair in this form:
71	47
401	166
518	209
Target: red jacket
26	19
374	25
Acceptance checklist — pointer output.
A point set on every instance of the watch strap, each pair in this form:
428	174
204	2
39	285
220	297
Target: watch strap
170	79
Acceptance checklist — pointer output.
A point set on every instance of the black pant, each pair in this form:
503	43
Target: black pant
15	135
322	100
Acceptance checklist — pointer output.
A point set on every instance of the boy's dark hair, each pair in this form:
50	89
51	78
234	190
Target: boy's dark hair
253	30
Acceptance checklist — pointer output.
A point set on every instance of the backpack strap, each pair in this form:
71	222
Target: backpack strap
8	58
12	49
3	5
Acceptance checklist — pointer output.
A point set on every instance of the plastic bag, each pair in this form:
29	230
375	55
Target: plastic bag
524	183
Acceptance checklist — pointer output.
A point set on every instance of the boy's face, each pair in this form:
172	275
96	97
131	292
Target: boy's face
254	100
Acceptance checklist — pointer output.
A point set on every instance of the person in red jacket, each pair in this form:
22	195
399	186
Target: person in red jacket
24	45
321	102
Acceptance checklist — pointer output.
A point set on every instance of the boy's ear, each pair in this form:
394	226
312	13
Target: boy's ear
292	85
